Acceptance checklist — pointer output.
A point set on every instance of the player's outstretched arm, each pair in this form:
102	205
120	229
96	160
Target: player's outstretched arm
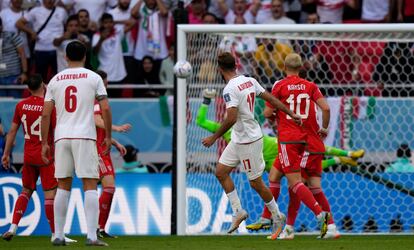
205	123
45	125
279	105
225	126
107	118
99	122
11	136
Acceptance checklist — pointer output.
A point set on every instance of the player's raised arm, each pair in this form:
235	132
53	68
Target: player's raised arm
45	125
279	105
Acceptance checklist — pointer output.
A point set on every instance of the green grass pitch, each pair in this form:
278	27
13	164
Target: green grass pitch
391	242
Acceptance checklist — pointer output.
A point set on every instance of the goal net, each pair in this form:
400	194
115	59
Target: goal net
367	74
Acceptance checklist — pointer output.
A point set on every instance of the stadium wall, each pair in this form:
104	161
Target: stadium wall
142	205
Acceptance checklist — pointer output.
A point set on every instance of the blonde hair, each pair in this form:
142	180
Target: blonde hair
293	61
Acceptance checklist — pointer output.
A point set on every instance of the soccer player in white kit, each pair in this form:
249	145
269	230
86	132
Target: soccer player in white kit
73	92
246	143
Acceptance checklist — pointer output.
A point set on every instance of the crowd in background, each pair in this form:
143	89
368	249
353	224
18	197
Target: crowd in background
133	40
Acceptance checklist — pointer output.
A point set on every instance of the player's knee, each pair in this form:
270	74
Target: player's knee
257	184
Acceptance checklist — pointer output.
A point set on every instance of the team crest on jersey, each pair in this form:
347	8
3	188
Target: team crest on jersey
227	97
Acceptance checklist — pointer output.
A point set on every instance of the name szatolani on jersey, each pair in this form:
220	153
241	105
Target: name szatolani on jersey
245	85
30	107
72	76
297	87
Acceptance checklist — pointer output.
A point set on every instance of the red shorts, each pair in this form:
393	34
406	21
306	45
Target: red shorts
315	144
105	166
30	174
290	157
312	165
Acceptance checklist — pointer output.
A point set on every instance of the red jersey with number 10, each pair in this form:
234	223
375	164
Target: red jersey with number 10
299	95
29	113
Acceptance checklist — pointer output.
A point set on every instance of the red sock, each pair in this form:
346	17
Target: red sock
20	207
275	189
305	195
49	214
293	209
105	202
321	199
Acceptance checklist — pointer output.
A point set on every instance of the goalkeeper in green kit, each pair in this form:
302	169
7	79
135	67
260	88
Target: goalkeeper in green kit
270	152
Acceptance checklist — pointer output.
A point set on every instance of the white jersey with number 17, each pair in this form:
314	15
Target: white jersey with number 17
74	91
241	92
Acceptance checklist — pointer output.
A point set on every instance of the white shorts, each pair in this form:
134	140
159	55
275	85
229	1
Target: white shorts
79	155
250	155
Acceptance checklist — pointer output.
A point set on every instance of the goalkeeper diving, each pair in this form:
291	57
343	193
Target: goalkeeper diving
270	152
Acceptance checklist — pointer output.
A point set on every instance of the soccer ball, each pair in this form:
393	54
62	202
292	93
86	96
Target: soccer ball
182	69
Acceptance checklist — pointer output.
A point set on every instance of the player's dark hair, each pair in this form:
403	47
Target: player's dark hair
106	16
226	61
131	153
102	74
404	151
34	82
83	10
72	18
76	51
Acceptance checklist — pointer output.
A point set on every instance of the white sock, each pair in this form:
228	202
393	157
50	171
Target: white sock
60	209
331	227
273	208
234	201
13	228
91	213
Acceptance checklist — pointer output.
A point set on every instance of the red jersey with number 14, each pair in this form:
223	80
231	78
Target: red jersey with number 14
29	113
299	95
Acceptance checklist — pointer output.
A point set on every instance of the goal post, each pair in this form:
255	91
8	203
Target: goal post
199	212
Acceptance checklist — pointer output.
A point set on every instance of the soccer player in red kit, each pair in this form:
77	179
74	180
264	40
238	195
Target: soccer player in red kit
28	112
106	169
298	94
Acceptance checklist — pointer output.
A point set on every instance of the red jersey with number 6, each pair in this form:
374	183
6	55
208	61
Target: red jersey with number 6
28	112
299	95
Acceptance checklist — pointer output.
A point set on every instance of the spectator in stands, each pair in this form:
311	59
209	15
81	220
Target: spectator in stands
406	11
122	17
107	45
293	9
375	12
13	63
48	23
85	26
331	11
131	163
240	9
166	75
396	68
210	18
71	34
169	4
270	55
403	163
312	18
151	41
10	16
265	11
214	8
96	8
148	75
196	10
278	14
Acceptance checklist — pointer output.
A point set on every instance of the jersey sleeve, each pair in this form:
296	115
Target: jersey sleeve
230	98
316	93
100	89
49	93
258	88
16	117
